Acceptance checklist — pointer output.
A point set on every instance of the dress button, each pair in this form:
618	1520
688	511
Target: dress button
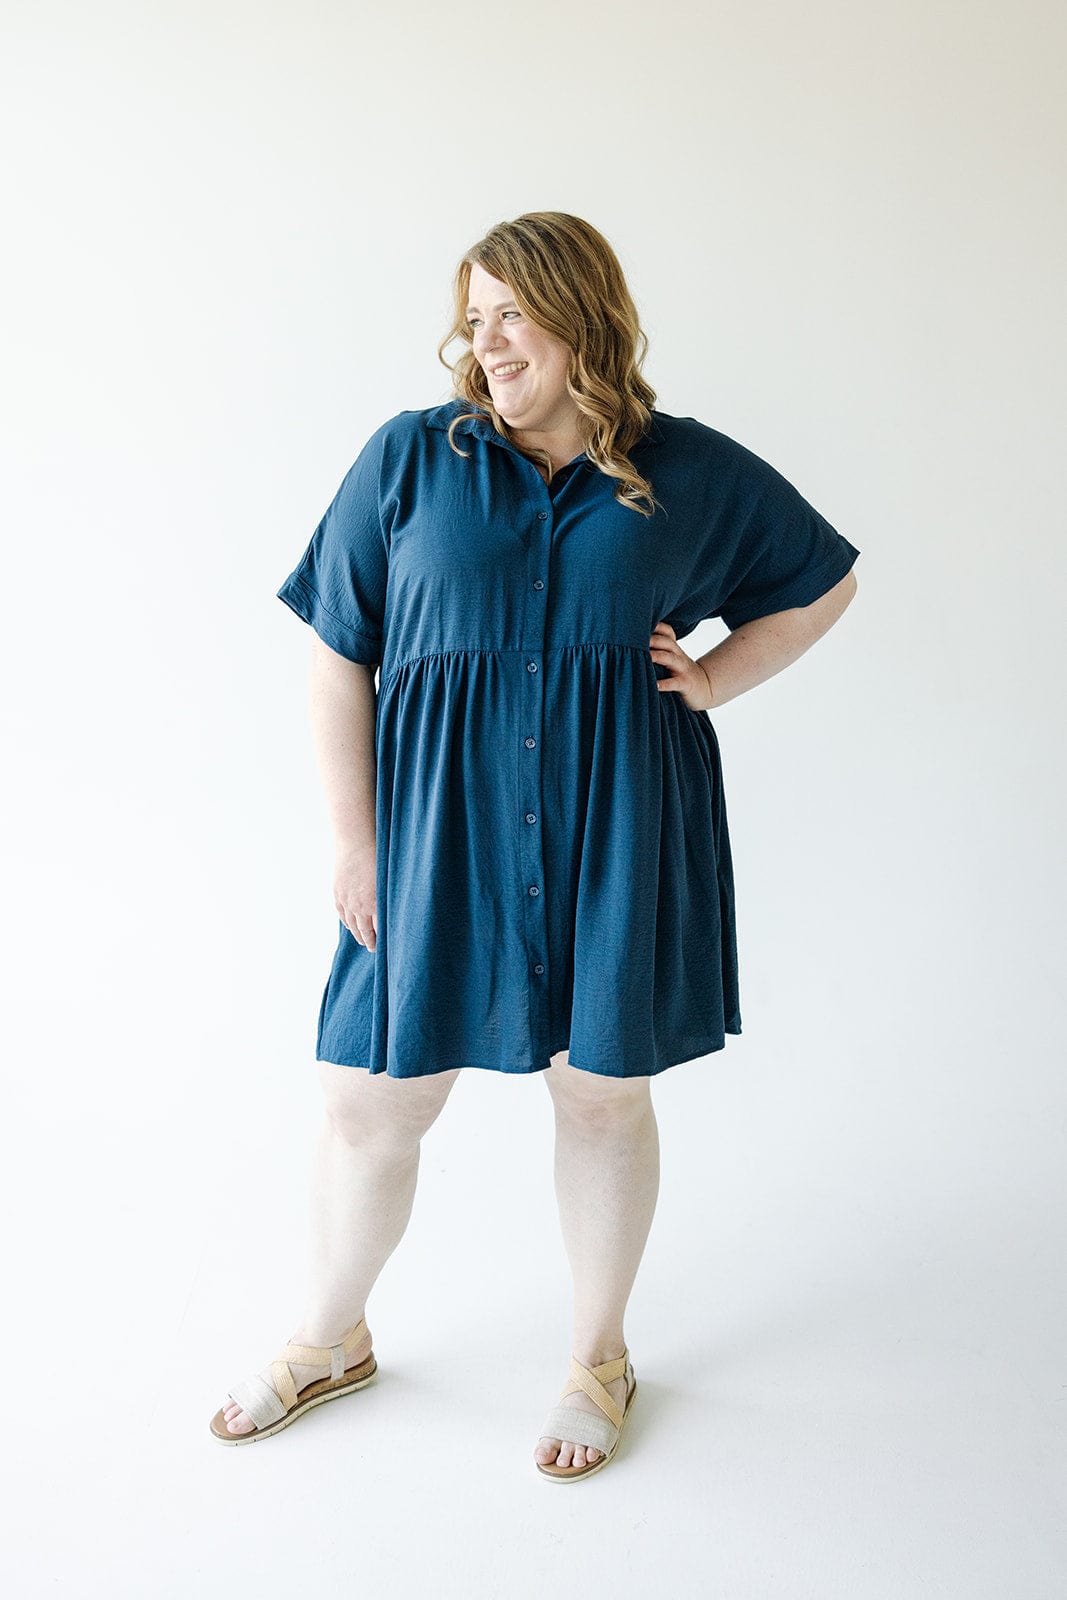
533	889
539	967
531	666
531	816
542	516
538	583
529	741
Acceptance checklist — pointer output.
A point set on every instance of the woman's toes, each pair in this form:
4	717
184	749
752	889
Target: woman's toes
591	1455
547	1450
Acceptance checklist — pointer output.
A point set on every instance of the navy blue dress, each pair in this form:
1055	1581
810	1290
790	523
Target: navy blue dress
553	860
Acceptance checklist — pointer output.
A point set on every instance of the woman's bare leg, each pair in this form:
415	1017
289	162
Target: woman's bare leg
607	1183
363	1189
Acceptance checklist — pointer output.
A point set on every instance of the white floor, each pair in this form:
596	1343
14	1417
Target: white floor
848	1332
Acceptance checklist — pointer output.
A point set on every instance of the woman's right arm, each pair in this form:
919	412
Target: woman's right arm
343	704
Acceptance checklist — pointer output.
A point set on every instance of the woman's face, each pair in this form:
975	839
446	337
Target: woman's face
534	399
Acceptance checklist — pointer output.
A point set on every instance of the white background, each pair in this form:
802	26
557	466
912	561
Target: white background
231	230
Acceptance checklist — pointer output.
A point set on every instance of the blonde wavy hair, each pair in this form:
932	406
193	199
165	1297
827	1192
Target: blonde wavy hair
565	278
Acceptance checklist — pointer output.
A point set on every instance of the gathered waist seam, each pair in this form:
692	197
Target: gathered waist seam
509	650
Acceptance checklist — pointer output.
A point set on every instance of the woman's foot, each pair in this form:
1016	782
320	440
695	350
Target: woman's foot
564	1453
238	1421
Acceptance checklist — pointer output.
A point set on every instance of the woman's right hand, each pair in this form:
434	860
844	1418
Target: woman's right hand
355	892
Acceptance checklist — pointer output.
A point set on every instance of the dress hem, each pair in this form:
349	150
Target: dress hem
705	1048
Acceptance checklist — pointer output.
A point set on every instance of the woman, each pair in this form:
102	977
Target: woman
533	867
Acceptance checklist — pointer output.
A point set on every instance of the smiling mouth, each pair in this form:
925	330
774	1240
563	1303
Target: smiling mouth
510	369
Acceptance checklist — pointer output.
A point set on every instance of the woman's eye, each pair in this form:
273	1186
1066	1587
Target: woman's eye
472	322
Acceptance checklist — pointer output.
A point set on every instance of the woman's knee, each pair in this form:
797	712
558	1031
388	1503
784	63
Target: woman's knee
365	1106
593	1097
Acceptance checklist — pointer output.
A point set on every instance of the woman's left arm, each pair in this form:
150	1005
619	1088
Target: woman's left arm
753	652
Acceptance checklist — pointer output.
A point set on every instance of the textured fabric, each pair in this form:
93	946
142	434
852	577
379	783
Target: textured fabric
314	1355
259	1400
281	1376
580	1427
594	1381
553	859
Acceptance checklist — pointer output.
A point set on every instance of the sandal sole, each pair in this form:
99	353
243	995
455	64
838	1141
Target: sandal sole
315	1394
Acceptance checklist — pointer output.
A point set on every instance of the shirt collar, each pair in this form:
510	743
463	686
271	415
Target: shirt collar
482	428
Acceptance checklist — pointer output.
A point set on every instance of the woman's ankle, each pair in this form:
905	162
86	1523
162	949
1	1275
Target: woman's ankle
324	1335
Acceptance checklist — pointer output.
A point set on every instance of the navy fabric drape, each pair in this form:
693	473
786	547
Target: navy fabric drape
553	857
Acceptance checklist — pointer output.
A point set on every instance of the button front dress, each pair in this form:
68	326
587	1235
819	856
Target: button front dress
553	858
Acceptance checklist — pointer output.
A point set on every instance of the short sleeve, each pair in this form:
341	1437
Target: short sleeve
339	584
774	551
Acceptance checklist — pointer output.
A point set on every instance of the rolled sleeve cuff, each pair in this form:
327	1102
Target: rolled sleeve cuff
353	644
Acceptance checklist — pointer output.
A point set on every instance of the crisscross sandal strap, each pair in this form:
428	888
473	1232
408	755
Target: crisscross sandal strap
265	1404
584	1427
593	1380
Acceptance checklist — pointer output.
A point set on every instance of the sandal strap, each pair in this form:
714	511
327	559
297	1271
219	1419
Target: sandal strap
266	1405
592	1380
580	1427
282	1378
259	1400
332	1356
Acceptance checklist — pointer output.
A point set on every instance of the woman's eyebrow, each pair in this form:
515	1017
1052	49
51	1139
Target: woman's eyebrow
499	307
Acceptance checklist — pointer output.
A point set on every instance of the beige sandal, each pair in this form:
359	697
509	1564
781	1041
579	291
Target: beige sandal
272	1409
582	1427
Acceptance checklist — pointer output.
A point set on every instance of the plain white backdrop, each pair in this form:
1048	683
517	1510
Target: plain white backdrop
231	230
